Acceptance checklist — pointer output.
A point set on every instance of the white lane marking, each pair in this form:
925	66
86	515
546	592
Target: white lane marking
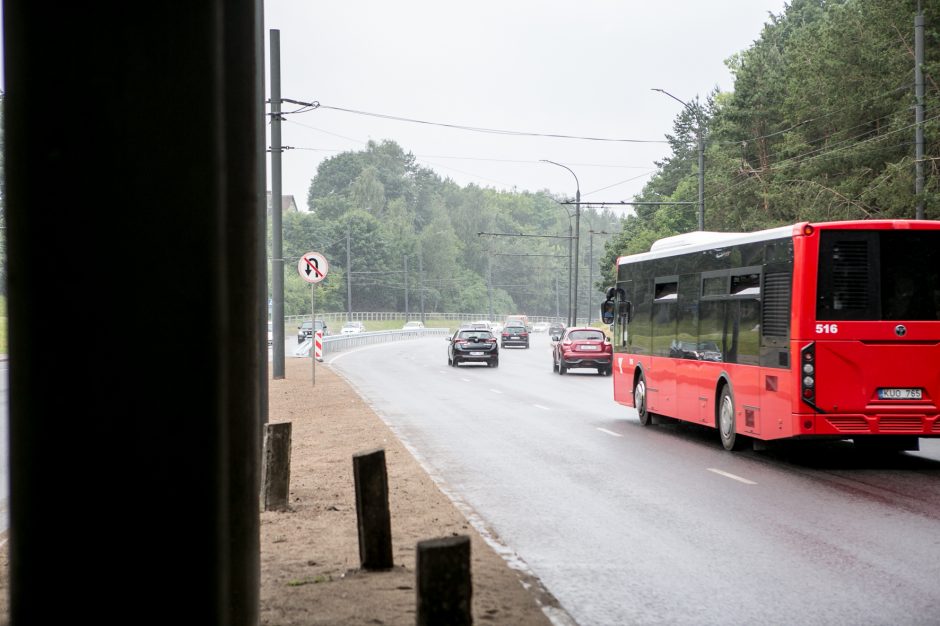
731	476
539	406
466	380
609	432
496	391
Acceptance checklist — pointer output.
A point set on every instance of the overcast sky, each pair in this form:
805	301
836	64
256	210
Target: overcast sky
583	69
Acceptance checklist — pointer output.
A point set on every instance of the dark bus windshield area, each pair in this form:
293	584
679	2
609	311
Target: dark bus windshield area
879	275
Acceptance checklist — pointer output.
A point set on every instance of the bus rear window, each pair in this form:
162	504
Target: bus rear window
879	275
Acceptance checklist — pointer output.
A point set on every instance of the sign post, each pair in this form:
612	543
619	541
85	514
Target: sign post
313	267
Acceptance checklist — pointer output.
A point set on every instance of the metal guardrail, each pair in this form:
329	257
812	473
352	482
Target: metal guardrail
333	344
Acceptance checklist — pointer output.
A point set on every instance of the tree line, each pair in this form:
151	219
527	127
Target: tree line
819	127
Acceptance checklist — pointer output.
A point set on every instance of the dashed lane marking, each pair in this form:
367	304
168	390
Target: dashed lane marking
496	391
731	476
539	406
609	432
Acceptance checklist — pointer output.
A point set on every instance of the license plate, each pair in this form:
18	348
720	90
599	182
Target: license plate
895	393
590	347
476	354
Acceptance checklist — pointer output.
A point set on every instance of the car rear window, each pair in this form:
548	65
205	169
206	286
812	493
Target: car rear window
586	335
479	334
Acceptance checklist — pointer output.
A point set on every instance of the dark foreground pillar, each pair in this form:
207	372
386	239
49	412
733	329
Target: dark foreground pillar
132	208
374	520
444	590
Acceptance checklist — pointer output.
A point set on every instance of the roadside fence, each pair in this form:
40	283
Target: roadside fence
333	344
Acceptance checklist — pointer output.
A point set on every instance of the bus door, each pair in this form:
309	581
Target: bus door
661	383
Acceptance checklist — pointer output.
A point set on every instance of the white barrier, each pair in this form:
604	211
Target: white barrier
338	343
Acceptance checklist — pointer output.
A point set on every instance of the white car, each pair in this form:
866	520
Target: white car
540	327
352	328
413	326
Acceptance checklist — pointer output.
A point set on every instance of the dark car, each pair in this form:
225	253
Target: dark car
305	330
583	347
556	330
515	333
469	345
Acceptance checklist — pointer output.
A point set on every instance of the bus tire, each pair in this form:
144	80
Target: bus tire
639	401
726	426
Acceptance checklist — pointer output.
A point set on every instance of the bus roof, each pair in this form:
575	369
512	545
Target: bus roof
697	241
704	240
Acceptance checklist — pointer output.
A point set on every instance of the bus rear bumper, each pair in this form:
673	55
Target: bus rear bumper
857	424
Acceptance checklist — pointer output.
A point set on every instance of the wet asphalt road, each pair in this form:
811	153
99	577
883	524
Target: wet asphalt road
627	524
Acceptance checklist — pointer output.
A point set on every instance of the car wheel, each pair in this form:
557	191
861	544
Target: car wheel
726	427
639	401
561	368
554	365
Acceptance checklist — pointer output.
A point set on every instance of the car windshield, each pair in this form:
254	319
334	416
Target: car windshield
586	335
475	334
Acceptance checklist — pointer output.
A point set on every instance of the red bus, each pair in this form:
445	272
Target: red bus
806	331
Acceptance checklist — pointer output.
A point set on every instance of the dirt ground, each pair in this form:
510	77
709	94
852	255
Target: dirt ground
310	555
310	572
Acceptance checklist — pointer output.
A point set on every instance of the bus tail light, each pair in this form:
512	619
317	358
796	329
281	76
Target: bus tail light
808	374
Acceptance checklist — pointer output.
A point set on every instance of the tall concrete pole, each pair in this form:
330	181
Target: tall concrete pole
277	252
577	247
348	280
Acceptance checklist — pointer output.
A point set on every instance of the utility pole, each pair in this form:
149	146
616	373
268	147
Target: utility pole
591	279
573	254
405	257
421	281
570	268
277	251
489	282
919	110
348	280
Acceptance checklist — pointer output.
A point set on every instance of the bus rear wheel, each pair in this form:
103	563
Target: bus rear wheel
639	401
726	427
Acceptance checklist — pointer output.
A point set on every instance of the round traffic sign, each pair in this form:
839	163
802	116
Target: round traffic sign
313	267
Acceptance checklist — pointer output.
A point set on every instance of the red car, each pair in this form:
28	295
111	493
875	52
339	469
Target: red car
583	347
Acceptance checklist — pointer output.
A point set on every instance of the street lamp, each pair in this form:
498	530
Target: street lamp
573	318
701	158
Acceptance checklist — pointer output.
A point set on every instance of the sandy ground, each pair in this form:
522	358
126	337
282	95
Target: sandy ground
310	555
310	572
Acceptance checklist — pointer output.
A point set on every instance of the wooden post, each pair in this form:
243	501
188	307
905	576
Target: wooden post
445	588
275	470
374	521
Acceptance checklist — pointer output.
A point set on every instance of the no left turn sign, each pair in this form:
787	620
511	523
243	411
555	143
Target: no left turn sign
313	267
